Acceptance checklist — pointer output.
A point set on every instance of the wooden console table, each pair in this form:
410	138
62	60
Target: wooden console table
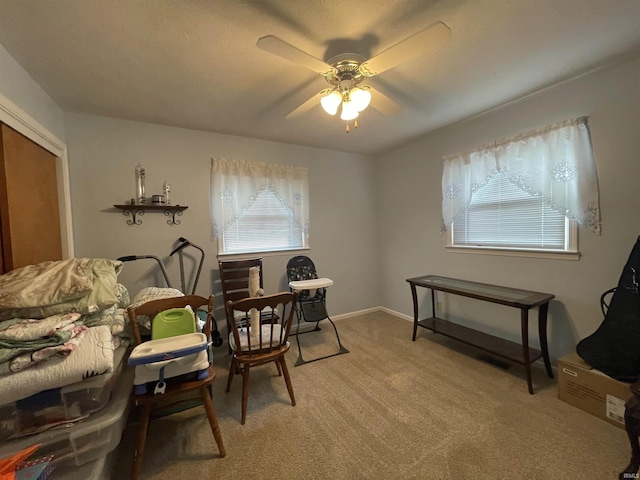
512	297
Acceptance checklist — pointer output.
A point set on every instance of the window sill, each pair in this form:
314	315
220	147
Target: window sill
257	253
515	253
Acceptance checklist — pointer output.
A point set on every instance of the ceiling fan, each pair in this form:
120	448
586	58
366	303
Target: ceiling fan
346	72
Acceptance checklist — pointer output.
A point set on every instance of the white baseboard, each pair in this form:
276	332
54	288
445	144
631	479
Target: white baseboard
372	310
310	326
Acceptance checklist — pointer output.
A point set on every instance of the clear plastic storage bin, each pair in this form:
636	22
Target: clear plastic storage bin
50	408
88	439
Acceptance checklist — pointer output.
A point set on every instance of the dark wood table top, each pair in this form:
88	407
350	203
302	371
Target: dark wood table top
513	297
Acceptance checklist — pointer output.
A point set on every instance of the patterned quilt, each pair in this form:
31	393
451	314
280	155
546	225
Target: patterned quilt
46	308
81	285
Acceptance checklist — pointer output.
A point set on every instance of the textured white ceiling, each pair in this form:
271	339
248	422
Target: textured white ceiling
194	63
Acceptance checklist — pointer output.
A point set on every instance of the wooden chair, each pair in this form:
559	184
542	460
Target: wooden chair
234	281
632	426
177	389
257	340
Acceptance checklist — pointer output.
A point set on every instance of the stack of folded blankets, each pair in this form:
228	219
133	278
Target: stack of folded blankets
62	326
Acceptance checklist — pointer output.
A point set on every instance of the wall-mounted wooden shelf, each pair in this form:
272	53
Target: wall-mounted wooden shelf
136	211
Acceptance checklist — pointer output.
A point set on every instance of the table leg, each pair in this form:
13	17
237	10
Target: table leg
524	321
433	309
542	334
414	295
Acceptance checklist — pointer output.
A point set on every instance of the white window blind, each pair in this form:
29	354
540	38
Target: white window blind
265	225
502	215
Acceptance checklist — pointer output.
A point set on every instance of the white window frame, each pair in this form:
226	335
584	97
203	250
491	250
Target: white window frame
568	252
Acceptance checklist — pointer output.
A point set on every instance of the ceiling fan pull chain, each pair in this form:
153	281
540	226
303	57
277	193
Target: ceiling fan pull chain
355	124
347	128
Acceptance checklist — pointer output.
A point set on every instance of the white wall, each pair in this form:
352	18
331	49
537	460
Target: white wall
409	193
374	224
18	86
104	151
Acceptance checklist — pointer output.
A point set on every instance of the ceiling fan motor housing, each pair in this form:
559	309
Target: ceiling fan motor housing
346	72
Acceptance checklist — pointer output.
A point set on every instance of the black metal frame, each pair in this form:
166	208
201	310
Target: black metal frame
310	309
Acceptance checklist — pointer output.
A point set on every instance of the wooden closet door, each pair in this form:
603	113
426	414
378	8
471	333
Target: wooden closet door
29	214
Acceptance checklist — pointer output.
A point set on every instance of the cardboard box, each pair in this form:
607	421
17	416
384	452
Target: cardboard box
590	390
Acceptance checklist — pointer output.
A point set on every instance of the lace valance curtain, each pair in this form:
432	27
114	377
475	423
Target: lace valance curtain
555	162
235	185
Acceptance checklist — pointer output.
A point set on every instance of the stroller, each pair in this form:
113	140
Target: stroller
312	300
216	339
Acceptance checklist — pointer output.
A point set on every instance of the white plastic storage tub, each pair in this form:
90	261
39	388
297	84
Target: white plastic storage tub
47	409
86	440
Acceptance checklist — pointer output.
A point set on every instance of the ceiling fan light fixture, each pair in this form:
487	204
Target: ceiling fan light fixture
360	98
331	102
349	111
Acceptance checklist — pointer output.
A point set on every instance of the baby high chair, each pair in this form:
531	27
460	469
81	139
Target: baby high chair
312	300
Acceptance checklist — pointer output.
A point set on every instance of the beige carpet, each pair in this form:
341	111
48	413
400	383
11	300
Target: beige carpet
389	409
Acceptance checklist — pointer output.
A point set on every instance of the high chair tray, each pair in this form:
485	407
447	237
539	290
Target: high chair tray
311	284
168	348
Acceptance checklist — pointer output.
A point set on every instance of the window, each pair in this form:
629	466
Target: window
501	215
528	193
258	207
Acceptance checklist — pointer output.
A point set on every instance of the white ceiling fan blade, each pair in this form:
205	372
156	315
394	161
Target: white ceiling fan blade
306	106
422	42
382	103
284	50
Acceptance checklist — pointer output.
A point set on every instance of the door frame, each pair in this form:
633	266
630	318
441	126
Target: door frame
16	118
